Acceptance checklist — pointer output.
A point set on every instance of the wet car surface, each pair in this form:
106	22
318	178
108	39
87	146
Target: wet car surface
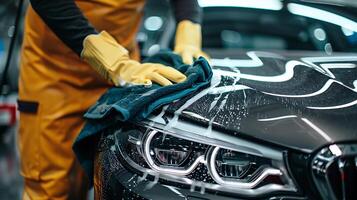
277	122
271	112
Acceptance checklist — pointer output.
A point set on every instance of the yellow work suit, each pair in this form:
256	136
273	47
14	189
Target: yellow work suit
63	87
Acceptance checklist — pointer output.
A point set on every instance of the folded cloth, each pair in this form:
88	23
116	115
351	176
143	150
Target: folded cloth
135	103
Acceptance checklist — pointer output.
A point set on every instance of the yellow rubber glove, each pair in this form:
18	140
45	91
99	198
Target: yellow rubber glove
112	61
188	41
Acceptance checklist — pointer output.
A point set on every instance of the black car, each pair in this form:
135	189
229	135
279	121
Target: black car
278	121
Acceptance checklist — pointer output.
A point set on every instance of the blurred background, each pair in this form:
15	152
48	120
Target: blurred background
230	27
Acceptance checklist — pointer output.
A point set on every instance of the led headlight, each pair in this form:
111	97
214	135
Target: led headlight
129	143
167	154
232	164
246	168
241	170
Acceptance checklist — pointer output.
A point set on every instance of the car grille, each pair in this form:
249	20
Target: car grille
334	170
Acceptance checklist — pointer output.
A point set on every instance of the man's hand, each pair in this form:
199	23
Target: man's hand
188	41
112	61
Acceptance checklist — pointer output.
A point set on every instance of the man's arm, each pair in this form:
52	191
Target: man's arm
188	39
101	51
187	10
66	20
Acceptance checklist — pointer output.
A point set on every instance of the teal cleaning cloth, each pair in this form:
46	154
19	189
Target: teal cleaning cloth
137	102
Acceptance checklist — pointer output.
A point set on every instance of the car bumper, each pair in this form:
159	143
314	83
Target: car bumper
115	178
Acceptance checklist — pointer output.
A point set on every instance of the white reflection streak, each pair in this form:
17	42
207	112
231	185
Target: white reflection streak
214	82
227	62
277	118
287	75
325	68
328	66
228	88
335	150
266	4
173	189
254	61
151	184
338	65
320	91
141	178
195	115
322	15
334	107
317	129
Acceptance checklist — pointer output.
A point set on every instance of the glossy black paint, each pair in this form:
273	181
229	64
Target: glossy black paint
255	110
314	103
299	167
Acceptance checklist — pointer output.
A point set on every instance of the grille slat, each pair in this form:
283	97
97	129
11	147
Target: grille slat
348	173
334	170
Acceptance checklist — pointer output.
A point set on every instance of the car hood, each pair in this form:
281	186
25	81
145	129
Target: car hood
297	100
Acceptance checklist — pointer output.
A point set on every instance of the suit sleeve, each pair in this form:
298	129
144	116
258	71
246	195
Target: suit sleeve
187	10
66	20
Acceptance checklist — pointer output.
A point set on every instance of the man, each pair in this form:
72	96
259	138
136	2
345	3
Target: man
67	63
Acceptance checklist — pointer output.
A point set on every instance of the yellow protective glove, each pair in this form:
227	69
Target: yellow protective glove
188	41
112	61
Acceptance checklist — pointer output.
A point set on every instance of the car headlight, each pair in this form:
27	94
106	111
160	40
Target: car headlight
167	154
240	170
244	169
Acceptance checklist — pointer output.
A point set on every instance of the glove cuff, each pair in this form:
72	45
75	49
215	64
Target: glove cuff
104	54
188	34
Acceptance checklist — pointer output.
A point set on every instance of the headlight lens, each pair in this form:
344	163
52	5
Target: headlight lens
234	165
167	154
240	170
227	169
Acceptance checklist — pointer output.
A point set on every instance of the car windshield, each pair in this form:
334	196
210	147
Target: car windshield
279	25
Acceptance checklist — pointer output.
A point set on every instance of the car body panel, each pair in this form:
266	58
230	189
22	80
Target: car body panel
295	101
119	177
263	102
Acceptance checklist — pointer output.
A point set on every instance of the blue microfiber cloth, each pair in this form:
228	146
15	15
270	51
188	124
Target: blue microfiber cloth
137	102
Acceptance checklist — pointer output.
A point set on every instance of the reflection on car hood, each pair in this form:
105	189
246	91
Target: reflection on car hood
302	102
